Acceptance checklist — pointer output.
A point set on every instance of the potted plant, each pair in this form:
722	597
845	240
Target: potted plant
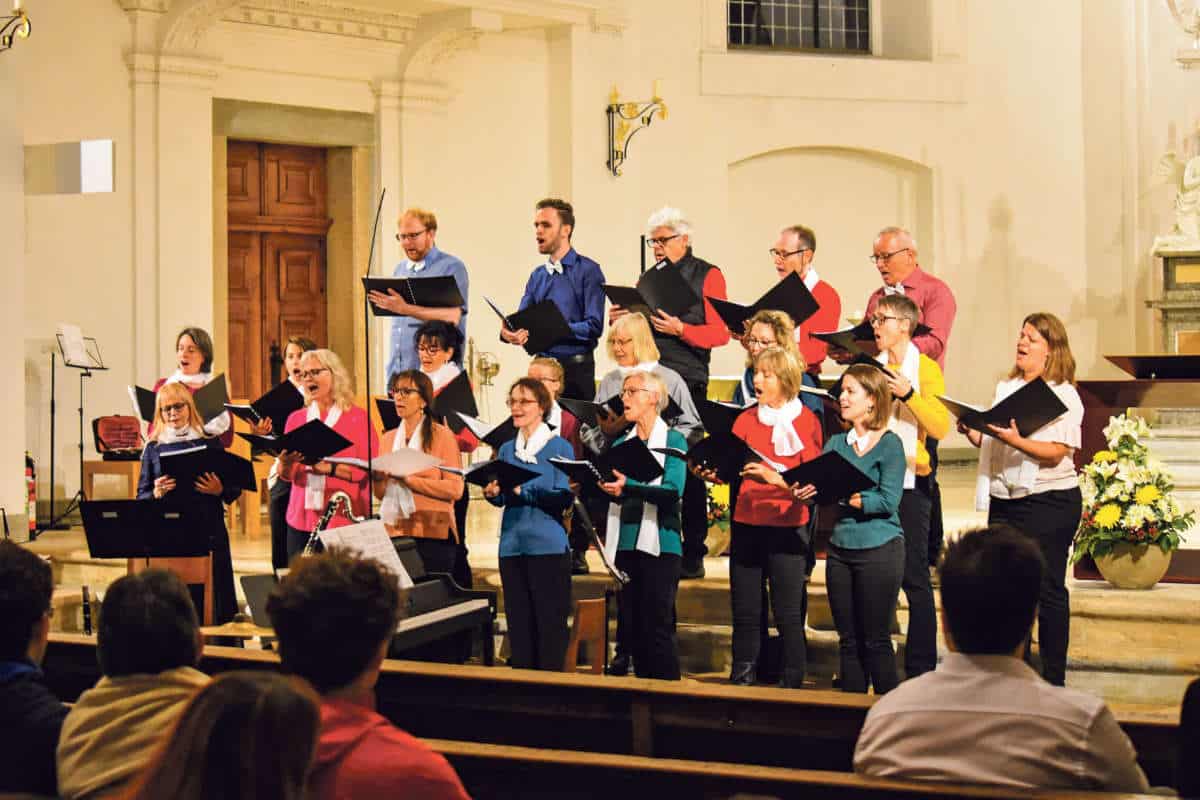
717	506
1131	523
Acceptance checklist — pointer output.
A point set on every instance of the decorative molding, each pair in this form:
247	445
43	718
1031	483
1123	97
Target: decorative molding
188	21
421	95
326	16
147	69
298	225
144	5
610	21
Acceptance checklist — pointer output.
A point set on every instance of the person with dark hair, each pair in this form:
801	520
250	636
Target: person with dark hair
194	355
983	716
421	505
439	348
1187	764
279	491
245	735
416	232
148	643
334	615
535	559
575	284
30	715
865	560
1030	482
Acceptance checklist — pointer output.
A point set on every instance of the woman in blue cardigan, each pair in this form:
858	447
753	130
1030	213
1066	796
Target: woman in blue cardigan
535	560
643	530
177	426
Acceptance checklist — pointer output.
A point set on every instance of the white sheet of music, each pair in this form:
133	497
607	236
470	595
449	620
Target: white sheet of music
75	352
399	463
369	539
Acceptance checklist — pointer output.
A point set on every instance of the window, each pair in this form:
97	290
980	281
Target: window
839	25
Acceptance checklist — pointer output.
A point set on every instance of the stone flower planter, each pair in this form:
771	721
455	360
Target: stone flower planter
1134	566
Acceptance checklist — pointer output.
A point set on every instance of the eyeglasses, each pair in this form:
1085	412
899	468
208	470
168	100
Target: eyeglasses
174	408
760	343
514	402
405	391
878	319
305	374
661	241
410	237
622	343
629	392
780	255
430	348
886	257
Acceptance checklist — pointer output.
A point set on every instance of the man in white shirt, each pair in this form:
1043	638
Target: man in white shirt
983	716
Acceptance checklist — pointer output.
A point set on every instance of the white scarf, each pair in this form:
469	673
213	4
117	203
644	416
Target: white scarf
443	375
398	502
527	449
641	366
1001	463
169	435
218	424
647	539
554	420
903	422
784	439
314	490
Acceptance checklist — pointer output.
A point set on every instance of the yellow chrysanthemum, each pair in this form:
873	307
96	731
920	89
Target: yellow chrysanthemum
1104	457
720	493
1147	495
1107	515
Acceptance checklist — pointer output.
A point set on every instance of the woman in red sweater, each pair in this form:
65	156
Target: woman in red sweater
770	526
194	355
330	393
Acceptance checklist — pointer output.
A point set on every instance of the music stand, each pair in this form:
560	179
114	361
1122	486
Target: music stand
81	353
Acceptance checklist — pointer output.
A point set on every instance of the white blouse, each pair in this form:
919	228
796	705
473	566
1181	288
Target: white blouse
1011	474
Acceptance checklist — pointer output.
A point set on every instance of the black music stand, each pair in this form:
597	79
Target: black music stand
84	356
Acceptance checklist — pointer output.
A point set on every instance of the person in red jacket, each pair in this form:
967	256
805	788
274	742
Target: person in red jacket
334	615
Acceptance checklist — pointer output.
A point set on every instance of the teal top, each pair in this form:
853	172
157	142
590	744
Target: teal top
665	498
878	521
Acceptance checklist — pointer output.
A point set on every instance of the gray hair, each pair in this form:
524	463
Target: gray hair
669	217
653	382
903	233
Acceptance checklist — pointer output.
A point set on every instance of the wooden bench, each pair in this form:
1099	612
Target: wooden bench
503	771
807	729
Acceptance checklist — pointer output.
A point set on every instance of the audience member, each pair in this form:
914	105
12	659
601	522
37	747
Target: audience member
30	715
1187	769
246	735
983	716
148	645
334	615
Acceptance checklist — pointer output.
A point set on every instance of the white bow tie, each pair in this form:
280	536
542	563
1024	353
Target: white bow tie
552	268
416	266
897	289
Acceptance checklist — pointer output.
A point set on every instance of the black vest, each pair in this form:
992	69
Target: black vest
690	362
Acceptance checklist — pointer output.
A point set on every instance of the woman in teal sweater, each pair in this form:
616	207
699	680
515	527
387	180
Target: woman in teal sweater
643	530
865	561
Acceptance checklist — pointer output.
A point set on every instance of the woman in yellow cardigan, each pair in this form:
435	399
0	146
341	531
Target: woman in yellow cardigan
916	381
422	504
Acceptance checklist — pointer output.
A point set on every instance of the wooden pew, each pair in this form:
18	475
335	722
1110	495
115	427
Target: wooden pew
491	772
626	716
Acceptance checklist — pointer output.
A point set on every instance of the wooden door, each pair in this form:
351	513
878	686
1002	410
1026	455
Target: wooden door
277	226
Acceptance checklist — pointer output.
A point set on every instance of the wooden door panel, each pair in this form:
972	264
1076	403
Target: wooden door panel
293	287
244	193
293	181
246	374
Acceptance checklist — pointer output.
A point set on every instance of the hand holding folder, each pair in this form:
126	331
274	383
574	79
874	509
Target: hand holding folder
440	291
831	475
314	441
1032	406
543	321
506	474
661	287
790	296
632	458
276	405
456	396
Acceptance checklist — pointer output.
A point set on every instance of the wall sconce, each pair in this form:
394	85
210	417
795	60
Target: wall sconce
1188	19
16	25
626	119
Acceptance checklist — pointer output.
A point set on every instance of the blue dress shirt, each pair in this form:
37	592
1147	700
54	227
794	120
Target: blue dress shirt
404	329
578	293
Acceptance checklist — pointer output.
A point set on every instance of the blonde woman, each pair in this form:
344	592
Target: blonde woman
330	394
766	329
178	426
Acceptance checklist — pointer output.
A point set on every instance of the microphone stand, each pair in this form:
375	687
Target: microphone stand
367	356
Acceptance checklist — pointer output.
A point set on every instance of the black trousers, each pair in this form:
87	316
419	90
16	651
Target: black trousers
1050	518
277	503
920	651
778	554
537	602
863	588
650	603
937	531
296	540
438	555
461	569
579	377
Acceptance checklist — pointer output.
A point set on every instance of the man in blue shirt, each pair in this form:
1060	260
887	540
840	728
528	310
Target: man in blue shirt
416	234
574	283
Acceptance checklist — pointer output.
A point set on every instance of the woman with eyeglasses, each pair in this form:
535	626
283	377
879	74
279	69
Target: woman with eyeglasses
194	356
329	390
177	426
439	347
421	505
917	417
643	531
535	561
765	329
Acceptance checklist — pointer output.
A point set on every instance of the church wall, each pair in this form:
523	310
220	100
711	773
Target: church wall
12	321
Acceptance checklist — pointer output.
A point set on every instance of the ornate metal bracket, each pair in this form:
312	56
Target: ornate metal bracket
625	120
16	26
